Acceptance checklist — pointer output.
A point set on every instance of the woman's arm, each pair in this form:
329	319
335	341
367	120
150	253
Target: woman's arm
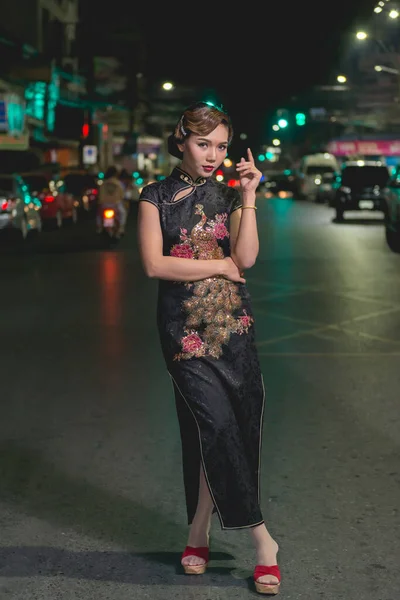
244	233
244	238
172	268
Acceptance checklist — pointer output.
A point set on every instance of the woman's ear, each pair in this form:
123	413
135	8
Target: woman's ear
180	146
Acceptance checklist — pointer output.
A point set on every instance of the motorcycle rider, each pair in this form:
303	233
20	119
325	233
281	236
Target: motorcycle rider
112	194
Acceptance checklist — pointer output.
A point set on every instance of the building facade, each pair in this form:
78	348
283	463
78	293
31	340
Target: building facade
39	72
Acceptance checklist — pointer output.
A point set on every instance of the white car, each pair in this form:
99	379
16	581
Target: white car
19	211
312	168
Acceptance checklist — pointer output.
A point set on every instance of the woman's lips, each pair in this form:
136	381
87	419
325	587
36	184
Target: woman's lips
208	169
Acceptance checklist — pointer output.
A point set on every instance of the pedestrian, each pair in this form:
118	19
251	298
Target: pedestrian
197	237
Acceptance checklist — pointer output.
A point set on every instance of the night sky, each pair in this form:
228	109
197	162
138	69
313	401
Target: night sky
254	58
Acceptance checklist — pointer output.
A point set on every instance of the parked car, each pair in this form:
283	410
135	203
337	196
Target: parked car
279	184
57	203
19	211
310	171
361	186
84	187
392	211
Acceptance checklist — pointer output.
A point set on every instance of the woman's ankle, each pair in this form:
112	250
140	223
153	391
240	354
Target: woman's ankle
267	551
199	535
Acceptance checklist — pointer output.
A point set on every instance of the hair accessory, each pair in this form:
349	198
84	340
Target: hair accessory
182	129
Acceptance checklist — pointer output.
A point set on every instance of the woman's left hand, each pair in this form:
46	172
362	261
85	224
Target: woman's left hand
249	175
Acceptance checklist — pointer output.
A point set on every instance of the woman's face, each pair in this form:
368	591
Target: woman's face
202	155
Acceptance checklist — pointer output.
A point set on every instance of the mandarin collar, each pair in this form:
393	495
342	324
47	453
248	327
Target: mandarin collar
181	175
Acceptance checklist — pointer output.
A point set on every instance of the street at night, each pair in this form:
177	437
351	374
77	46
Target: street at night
91	498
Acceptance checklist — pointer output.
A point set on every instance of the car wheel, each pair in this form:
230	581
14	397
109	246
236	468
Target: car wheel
393	239
339	215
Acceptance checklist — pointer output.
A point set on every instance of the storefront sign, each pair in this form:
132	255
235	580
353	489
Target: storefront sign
365	148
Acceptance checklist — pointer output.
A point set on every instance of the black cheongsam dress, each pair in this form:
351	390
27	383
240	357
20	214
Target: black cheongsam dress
207	337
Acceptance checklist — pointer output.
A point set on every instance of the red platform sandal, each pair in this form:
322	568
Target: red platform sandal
200	553
267	588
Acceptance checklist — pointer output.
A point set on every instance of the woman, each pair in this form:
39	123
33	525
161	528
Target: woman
197	236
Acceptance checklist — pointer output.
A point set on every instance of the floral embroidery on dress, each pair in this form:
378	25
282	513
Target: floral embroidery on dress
218	227
210	321
201	243
184	249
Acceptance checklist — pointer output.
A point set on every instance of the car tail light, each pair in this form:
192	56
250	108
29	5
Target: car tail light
94	192
109	213
48	199
4	205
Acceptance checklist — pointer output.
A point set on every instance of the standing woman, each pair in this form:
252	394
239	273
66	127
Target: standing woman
197	236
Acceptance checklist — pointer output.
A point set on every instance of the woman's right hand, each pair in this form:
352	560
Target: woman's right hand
231	271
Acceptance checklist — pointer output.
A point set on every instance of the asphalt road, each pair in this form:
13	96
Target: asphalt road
91	491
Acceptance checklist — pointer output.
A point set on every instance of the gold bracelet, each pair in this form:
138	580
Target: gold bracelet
255	207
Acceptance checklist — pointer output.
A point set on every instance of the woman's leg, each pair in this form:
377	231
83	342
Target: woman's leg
266	549
200	527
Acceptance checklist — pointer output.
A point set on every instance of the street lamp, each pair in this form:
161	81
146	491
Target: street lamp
168	86
361	35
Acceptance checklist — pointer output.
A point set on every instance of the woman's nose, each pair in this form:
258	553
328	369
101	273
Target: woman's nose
211	154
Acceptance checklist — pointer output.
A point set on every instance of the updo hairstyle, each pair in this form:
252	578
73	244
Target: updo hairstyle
199	118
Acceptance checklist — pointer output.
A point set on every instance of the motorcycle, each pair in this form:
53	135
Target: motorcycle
110	225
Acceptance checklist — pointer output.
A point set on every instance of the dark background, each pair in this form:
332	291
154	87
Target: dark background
252	59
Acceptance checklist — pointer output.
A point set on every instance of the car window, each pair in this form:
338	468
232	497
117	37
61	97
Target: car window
319	169
365	176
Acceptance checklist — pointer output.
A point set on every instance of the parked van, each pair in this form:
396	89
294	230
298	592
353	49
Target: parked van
312	168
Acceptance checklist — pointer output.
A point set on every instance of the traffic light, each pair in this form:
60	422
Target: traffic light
282	123
300	119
